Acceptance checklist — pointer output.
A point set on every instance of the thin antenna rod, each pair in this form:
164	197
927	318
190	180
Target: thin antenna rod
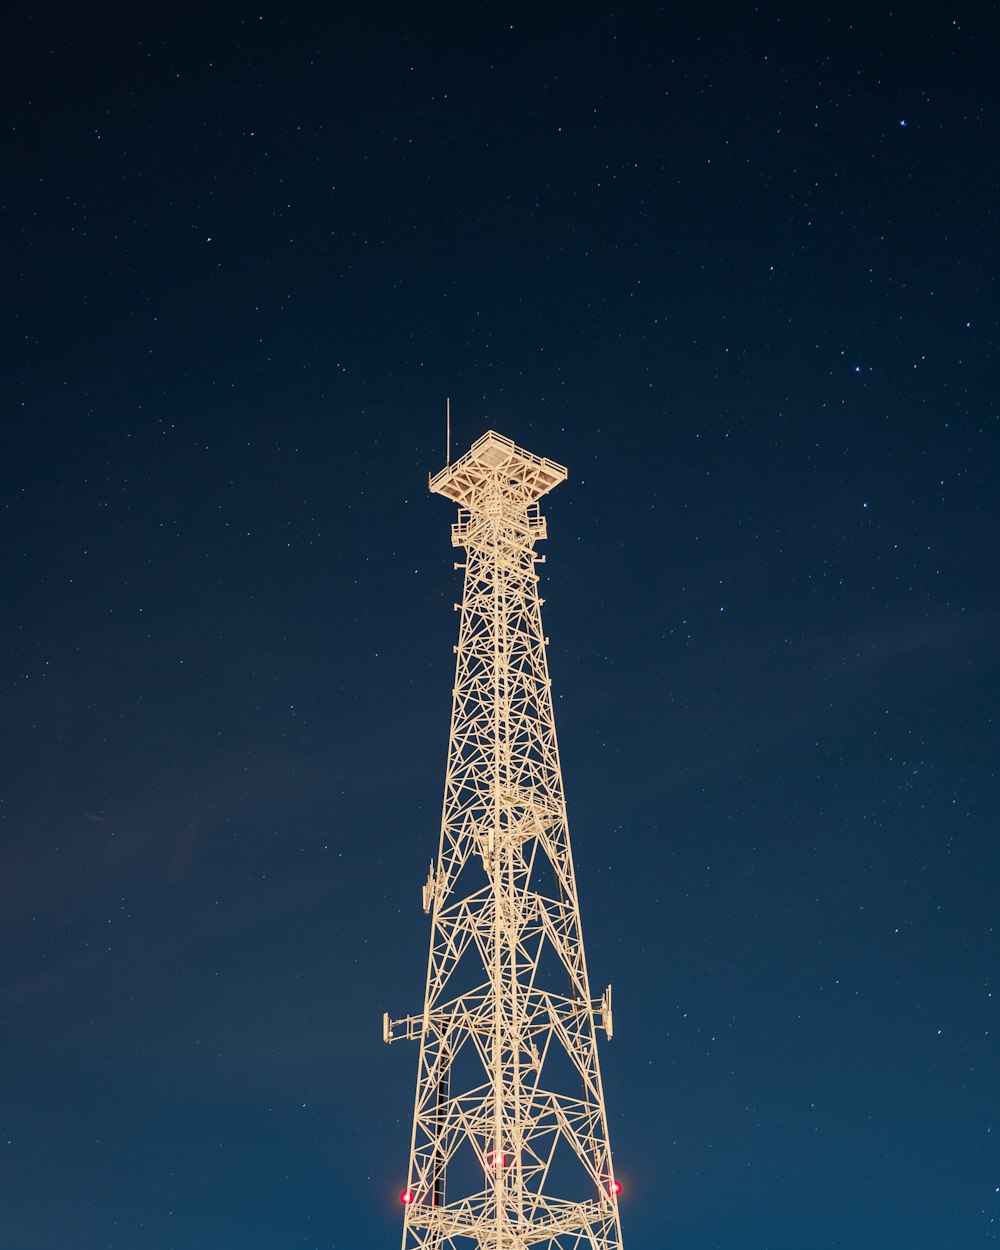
447	431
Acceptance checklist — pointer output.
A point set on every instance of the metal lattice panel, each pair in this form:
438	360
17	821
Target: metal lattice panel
510	1143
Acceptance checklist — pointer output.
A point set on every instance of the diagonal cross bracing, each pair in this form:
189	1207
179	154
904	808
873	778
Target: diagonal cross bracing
510	1144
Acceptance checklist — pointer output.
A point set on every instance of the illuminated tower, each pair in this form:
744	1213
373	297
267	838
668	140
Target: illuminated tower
510	1141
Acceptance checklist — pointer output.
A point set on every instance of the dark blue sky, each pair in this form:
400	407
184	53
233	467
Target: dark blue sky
737	268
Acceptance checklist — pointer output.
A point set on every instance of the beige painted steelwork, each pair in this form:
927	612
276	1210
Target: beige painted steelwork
510	1142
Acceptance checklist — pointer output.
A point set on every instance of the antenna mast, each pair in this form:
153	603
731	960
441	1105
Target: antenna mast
509	1149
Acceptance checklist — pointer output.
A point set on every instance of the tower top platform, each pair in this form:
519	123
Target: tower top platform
488	455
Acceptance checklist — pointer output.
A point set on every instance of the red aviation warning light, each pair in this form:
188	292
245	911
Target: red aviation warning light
407	1196
614	1187
496	1161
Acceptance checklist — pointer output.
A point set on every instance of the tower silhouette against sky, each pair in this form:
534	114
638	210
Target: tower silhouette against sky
510	1142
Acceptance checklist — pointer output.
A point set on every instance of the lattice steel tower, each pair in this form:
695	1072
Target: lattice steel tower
510	1141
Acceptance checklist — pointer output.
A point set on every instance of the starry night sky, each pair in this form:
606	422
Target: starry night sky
736	267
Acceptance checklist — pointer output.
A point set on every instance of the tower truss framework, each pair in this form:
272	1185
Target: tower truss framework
510	1144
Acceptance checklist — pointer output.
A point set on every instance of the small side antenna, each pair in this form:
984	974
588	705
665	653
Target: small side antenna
447	431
